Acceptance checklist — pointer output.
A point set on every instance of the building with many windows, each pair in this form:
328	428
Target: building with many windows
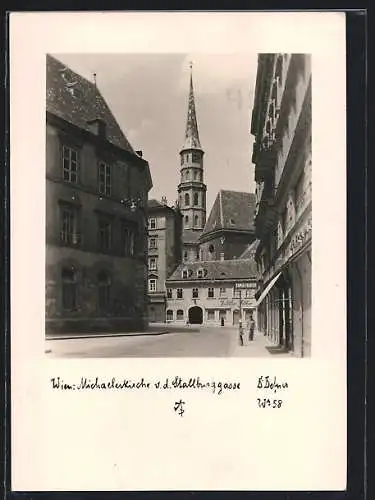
212	293
281	124
96	211
164	253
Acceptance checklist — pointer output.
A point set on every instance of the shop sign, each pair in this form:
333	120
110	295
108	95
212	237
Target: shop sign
244	286
235	302
300	239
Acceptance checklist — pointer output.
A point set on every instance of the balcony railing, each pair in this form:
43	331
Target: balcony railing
71	239
265	160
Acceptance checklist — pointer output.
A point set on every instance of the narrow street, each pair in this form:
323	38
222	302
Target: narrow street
171	342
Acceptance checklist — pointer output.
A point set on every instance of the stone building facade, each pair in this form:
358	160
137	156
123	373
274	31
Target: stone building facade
96	212
206	292
281	124
164	253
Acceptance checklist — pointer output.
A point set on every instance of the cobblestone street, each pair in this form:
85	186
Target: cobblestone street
160	341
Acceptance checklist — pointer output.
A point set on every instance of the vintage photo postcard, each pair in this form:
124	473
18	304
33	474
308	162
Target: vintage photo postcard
178	251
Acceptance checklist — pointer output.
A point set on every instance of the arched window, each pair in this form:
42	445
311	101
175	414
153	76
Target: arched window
169	315
69	289
196	220
195	198
187	199
211	249
186	220
104	290
196	157
180	314
185	255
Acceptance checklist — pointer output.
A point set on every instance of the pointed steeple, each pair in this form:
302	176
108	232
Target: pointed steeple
191	134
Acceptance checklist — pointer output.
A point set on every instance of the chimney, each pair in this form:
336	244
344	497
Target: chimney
140	153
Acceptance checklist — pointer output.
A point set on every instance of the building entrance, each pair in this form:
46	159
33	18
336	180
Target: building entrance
195	315
236	317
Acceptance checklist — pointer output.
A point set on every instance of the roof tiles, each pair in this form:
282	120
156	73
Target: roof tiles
76	100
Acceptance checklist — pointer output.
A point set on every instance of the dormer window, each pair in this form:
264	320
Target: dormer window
184	273
200	273
152	223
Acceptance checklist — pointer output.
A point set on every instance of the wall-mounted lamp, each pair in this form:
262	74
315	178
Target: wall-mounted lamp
133	204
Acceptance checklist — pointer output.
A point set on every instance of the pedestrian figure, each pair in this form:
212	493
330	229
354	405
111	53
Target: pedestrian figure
251	328
241	332
222	322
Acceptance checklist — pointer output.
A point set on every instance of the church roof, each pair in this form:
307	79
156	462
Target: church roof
191	134
76	100
216	270
231	210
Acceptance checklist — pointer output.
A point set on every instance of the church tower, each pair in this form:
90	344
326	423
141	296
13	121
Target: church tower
192	190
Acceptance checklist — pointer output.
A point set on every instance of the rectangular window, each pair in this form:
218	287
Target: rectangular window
195	293
69	222
128	241
169	293
223	292
152	223
179	293
153	263
152	285
104	178
211	293
105	234
70	165
211	314
153	243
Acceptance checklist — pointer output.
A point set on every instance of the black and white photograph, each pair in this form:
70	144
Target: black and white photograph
175	319
178	205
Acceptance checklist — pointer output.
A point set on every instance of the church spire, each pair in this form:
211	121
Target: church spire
191	134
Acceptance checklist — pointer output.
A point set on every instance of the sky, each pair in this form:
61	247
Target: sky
148	95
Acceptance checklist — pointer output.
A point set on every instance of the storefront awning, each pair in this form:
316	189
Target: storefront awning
268	288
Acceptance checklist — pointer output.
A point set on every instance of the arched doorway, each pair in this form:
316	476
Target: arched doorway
236	317
195	315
